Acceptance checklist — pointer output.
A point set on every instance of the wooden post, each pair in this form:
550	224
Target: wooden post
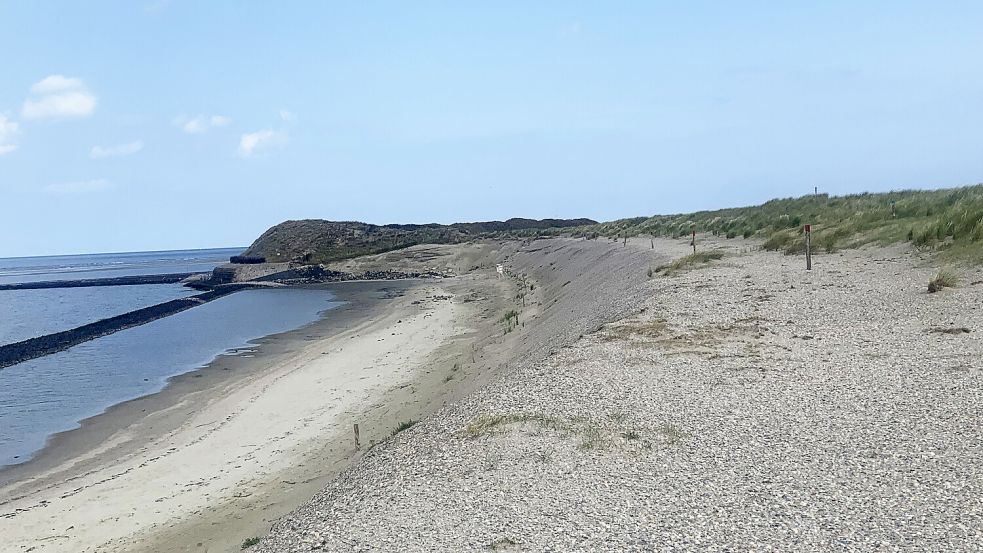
653	241
694	239
626	237
808	233
357	444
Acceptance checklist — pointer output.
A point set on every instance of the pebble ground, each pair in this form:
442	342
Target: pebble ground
744	406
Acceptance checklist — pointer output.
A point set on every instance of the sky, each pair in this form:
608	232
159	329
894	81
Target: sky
149	125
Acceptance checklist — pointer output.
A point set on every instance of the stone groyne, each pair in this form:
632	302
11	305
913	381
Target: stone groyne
171	278
11	354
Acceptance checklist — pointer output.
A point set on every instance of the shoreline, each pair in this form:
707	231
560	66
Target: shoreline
224	459
226	449
209	379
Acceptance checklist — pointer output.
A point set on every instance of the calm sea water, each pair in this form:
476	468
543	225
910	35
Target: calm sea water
104	265
28	313
52	394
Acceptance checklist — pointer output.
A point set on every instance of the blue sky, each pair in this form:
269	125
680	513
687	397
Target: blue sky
176	124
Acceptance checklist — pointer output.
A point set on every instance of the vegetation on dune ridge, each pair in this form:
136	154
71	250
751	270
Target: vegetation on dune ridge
320	241
949	221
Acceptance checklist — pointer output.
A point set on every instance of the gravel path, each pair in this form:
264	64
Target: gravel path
749	405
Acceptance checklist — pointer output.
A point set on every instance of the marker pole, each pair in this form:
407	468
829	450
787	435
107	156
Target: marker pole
808	233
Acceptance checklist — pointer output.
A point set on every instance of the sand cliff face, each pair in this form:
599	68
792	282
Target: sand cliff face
320	241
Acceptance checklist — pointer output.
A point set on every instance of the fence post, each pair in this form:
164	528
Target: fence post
357	444
808	233
694	239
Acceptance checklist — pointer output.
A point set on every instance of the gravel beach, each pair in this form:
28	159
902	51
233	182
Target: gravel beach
748	405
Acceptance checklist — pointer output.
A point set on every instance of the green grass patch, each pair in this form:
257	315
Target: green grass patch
249	542
403	426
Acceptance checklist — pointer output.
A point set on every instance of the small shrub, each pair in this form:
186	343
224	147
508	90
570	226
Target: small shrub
249	543
511	320
943	279
748	233
403	426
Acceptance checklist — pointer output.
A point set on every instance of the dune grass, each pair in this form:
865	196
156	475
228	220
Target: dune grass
948	222
945	278
691	261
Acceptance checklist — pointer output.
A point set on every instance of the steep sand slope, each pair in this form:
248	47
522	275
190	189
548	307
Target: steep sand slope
745	406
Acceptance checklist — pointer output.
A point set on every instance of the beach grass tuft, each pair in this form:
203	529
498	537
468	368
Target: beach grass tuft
943	279
691	261
249	542
403	426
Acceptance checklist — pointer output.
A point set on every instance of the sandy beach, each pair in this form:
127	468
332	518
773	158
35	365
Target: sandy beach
212	459
744	404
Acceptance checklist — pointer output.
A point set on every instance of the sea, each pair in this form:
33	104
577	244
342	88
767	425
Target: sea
52	394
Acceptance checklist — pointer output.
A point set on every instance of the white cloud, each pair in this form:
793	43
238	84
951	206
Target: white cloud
56	83
201	123
99	152
79	187
8	129
288	116
253	142
58	97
